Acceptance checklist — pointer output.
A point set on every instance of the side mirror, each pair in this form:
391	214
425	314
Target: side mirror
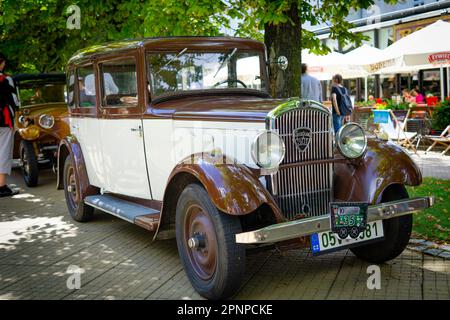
282	62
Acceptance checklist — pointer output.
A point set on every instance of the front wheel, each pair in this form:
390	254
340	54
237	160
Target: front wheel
78	210
213	261
397	232
29	163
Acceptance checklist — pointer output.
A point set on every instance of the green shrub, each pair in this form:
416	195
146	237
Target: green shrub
441	116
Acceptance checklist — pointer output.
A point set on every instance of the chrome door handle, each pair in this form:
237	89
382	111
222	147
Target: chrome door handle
139	129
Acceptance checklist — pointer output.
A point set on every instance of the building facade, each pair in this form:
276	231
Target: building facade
383	24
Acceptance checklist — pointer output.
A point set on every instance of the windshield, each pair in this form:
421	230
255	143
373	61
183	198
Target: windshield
41	93
188	71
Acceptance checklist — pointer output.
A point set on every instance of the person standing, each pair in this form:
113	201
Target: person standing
340	100
311	87
8	106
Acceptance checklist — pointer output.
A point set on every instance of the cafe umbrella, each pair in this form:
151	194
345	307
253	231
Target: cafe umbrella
422	49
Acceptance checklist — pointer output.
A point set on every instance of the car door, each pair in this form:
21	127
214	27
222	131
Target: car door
84	122
121	127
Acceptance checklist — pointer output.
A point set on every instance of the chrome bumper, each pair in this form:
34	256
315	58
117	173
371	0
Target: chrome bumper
308	226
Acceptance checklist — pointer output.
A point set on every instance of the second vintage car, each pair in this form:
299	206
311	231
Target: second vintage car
41	122
180	136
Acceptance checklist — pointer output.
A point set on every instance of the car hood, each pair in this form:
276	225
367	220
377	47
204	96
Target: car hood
58	110
237	108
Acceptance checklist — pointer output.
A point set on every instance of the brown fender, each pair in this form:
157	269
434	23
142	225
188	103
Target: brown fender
383	164
69	146
233	188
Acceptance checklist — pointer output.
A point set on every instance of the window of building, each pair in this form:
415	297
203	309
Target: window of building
385	37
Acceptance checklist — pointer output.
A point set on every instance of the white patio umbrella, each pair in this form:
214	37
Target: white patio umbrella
324	67
361	56
424	49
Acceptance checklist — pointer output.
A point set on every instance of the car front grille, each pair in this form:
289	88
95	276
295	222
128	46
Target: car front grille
304	190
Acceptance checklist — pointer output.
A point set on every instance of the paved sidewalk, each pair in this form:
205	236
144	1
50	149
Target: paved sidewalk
433	164
38	242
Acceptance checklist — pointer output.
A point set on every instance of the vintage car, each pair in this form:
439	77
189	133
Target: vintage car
41	122
180	136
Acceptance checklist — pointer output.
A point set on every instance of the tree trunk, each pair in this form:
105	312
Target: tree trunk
284	39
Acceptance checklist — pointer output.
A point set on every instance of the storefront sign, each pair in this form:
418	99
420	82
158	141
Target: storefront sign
439	58
374	67
405	29
315	69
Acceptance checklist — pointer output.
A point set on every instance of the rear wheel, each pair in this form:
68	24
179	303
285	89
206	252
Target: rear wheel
397	232
29	163
78	210
213	261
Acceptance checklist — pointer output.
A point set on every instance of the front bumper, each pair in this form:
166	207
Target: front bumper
304	227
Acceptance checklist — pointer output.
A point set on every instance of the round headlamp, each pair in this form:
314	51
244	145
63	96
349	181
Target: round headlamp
351	140
46	121
268	150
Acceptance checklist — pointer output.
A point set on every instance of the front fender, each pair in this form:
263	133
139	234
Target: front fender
383	164
70	147
233	188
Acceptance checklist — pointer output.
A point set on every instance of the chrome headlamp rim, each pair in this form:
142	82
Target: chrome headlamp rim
45	126
338	140
253	149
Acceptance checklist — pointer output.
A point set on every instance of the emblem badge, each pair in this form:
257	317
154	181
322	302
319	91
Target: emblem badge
302	138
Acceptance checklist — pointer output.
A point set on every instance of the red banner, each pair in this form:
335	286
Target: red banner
439	58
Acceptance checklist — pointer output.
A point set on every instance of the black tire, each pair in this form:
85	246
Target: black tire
29	163
397	232
78	210
196	213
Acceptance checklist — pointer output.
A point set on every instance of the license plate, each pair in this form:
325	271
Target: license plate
329	241
348	218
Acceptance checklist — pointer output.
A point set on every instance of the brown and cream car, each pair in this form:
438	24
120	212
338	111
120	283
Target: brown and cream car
41	122
180	136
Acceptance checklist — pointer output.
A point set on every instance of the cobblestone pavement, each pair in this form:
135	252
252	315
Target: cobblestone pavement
38	242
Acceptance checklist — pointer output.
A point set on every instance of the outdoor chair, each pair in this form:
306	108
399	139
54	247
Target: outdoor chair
394	129
443	139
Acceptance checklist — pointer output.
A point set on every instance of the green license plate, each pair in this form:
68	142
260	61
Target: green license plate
348	218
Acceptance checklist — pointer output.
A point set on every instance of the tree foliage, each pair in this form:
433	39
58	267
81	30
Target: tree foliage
33	33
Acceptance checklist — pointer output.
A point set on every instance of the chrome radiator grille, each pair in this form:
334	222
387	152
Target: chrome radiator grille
307	189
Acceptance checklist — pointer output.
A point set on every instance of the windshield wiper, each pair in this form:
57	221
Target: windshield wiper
172	60
225	61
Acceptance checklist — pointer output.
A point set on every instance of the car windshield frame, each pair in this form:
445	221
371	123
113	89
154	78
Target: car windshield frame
39	85
231	51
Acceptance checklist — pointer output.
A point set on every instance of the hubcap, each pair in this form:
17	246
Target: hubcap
72	187
200	242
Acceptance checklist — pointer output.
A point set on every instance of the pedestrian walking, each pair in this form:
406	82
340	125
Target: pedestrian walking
311	87
341	102
8	106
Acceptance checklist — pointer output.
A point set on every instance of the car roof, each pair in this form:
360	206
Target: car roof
167	44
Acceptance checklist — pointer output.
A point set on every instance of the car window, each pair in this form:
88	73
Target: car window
71	89
86	86
119	83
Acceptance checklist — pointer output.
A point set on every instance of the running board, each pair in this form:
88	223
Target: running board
137	214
